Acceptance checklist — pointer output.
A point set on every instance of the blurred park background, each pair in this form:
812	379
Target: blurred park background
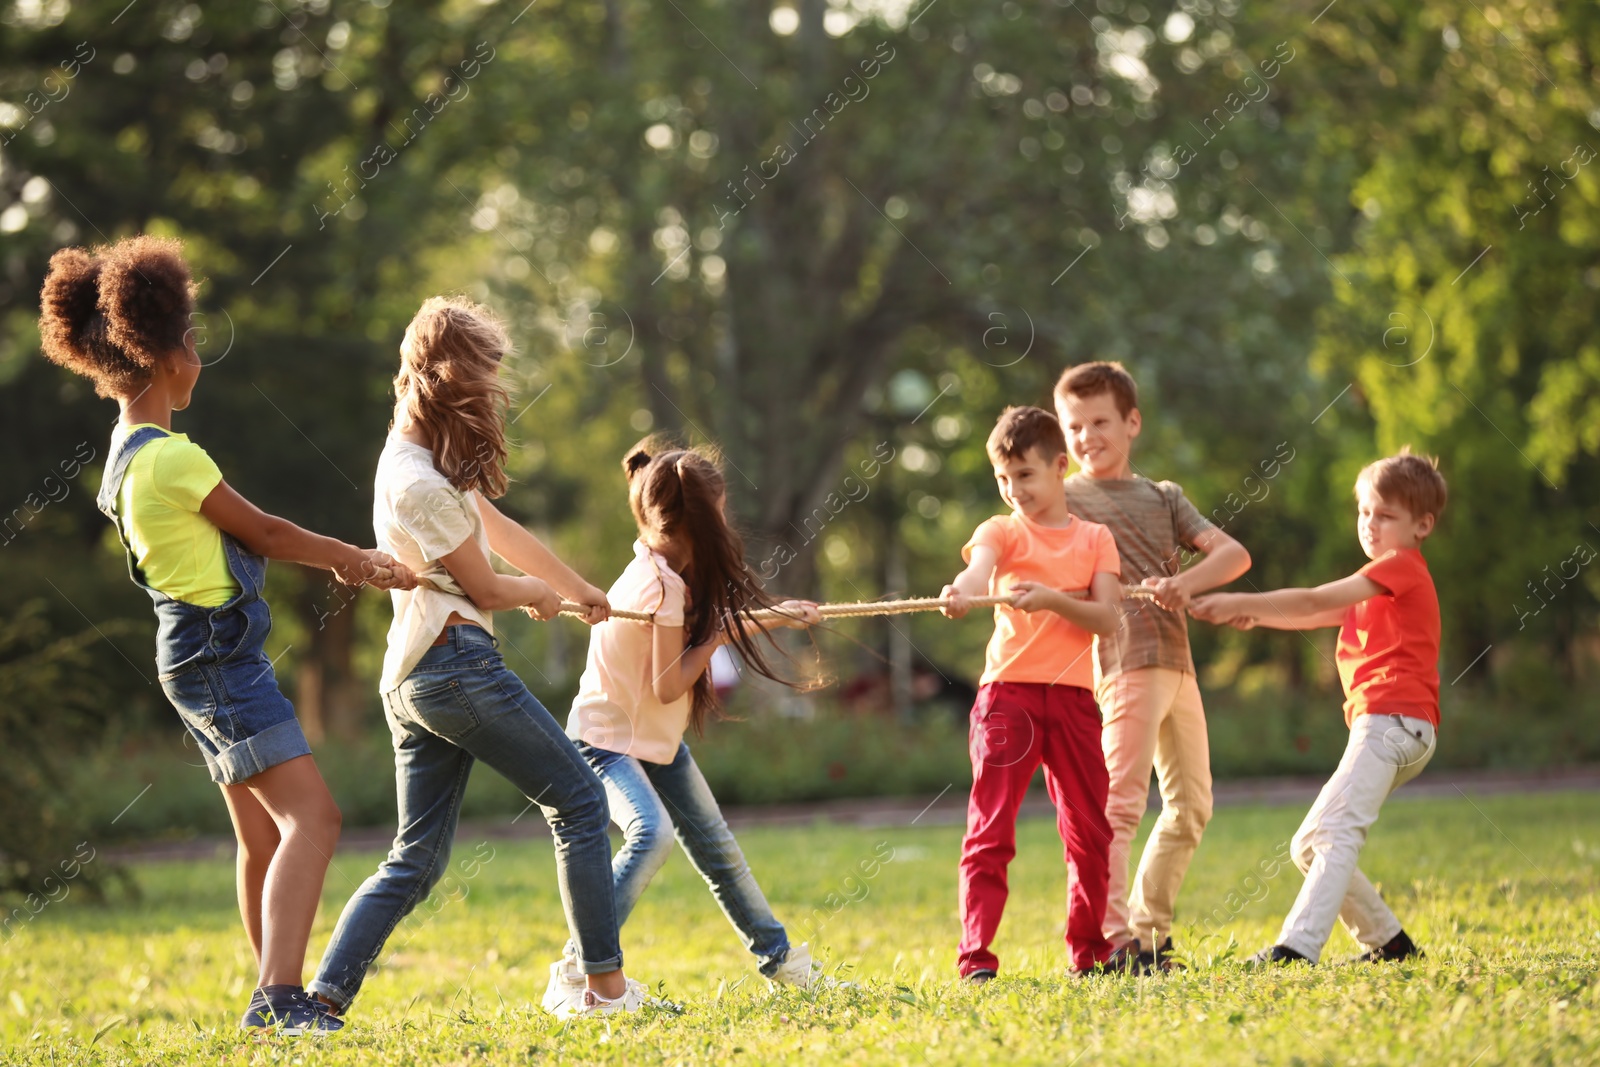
835	237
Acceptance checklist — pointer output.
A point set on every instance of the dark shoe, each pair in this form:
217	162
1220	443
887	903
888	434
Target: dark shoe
289	1011
1277	954
978	977
1161	959
258	1013
1124	959
1400	947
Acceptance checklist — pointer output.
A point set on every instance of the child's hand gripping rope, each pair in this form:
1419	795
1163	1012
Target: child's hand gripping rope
1219	609
592	609
377	569
797	615
1025	596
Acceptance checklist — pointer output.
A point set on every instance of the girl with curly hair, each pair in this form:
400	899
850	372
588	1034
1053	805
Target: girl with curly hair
119	316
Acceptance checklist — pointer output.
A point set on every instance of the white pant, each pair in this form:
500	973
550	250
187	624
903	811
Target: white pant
1385	752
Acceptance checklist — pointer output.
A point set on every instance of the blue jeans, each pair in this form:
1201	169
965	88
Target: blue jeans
459	704
651	802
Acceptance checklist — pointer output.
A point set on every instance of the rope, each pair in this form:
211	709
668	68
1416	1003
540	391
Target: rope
863	609
443	583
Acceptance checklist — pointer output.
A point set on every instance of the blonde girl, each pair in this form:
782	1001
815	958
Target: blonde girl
448	696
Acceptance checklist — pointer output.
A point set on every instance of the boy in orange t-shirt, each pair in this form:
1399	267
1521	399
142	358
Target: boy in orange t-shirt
1388	656
1036	701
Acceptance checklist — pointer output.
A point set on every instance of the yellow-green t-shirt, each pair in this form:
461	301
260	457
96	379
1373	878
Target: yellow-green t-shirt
178	549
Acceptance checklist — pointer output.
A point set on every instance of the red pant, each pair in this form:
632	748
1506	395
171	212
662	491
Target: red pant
1015	727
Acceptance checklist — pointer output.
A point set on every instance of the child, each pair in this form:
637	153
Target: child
645	682
1034	702
448	696
120	317
1145	677
1388	619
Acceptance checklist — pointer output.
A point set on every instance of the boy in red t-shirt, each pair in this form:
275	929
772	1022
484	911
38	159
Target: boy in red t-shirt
1036	701
1388	619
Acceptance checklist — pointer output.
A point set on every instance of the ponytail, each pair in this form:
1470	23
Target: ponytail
677	494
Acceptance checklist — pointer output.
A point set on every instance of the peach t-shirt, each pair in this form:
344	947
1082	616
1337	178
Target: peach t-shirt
1041	646
616	707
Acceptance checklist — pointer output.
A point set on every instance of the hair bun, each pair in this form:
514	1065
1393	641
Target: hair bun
637	460
146	296
68	306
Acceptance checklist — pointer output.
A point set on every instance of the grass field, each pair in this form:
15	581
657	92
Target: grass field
1501	892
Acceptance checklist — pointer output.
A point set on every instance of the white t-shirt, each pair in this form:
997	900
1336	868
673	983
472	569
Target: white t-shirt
616	708
418	517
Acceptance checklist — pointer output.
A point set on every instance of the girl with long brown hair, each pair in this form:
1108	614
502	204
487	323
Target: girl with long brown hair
645	683
120	316
447	694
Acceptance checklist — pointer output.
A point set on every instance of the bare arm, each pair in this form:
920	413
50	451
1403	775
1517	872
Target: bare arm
515	544
275	538
681	668
1289	609
1224	560
674	669
973	581
1331	617
491	591
1099	614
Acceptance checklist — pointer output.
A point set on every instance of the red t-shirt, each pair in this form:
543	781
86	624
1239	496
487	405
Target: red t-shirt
1389	644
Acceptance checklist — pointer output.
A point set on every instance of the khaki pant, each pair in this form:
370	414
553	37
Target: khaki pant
1153	717
1384	753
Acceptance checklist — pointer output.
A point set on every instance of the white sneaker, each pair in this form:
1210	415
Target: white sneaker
566	985
590	1003
801	971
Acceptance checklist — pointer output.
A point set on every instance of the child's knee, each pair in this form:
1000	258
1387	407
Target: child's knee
1126	809
257	849
586	814
1304	849
418	863
314	819
322	823
1192	819
649	838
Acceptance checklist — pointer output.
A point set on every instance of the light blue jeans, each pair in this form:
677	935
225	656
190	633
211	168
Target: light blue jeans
651	803
458	705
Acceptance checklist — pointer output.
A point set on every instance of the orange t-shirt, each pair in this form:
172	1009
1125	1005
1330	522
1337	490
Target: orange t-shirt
1041	646
1389	644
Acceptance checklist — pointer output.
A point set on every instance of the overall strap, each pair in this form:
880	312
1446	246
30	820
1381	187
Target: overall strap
111	485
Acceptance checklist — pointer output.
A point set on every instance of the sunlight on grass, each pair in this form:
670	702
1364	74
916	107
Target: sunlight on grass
1501	895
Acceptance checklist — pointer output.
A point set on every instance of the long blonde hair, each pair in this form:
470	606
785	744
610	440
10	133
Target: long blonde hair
449	388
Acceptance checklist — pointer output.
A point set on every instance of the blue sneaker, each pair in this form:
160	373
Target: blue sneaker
290	1011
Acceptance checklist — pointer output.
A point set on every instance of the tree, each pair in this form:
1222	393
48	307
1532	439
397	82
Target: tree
1463	323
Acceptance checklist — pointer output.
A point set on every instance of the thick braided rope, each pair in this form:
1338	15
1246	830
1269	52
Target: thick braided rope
864	608
443	583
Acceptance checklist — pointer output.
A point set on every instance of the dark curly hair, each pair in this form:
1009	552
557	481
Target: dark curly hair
111	313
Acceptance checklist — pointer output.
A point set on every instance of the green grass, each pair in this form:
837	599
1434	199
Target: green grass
1502	893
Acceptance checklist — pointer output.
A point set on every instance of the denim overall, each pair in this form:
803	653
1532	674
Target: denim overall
211	661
